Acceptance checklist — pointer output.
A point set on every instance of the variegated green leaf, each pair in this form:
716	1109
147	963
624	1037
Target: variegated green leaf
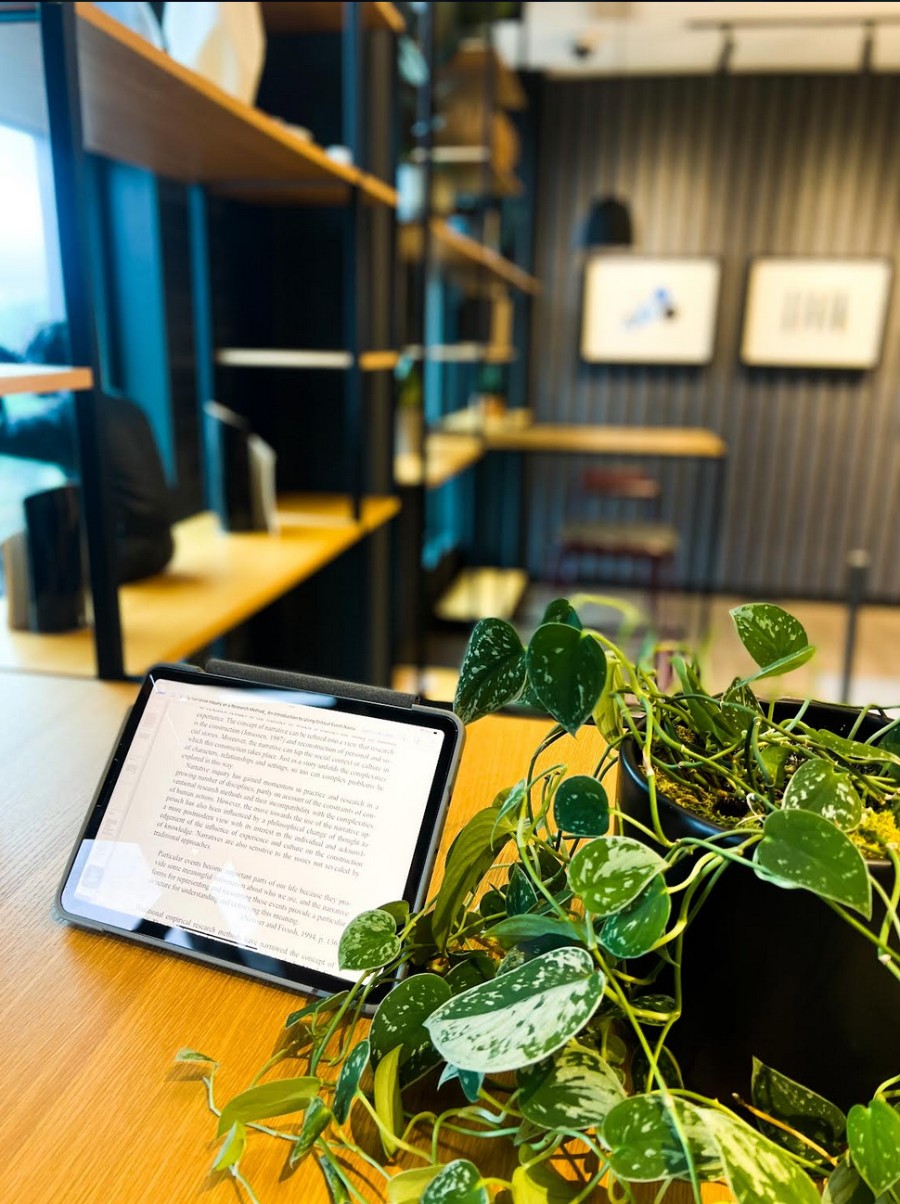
459	1182
530	927
576	1089
318	1007
317	1119
775	639
645	1146
510	801
845	1186
852	750
409	1186
493	670
470	857
560	610
566	669
606	713
337	1189
799	1108
232	1147
581	807
277	1098
369	941
609	873
193	1055
635	929
399	909
388	1102
540	1184
801	849
654	1010
874	1135
818	787
521	1016
470	1080
400	1020
348	1079
521	895
476	968
757	1171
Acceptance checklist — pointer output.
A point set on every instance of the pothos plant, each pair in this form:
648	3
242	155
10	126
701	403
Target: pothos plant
523	1002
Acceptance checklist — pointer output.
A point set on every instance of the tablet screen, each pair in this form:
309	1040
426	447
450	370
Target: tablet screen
249	824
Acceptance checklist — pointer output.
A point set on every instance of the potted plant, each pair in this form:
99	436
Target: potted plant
543	983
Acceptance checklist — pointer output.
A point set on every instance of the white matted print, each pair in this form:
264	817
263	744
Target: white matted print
647	310
815	313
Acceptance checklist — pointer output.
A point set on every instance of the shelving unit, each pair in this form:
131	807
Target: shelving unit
34	378
275	357
327	17
215	581
113	95
141	107
446	456
453	249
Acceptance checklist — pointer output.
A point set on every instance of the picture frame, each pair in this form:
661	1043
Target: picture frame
812	312
650	309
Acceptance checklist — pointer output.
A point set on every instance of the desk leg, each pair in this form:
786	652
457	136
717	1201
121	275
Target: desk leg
713	547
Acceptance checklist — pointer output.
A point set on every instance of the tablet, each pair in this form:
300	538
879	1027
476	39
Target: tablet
245	824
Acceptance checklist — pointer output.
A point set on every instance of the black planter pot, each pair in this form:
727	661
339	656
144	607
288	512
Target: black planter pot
774	973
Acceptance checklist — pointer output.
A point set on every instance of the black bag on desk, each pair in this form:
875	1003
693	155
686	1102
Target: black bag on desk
140	493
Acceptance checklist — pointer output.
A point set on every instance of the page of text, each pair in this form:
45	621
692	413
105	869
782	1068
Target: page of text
261	822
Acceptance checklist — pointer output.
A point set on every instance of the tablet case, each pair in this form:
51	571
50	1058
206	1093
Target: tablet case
358	691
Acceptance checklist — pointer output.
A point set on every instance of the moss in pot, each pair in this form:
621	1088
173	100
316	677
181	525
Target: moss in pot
535	1001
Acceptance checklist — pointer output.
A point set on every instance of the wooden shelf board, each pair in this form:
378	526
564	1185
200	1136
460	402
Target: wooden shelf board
322	193
379	361
40	378
472	420
141	107
470	63
215	581
446	456
482	592
458	250
280	357
682	441
283	17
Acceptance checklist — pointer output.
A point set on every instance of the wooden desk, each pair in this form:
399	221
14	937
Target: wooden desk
94	1111
680	441
215	581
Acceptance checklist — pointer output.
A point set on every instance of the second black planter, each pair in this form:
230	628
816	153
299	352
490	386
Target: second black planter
774	973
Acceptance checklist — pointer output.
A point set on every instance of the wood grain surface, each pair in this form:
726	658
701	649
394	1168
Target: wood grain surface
40	378
94	1110
216	580
609	440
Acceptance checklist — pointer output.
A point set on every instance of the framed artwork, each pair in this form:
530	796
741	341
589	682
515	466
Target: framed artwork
641	309
815	313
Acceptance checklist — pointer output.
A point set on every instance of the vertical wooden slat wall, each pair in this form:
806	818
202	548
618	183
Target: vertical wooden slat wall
733	166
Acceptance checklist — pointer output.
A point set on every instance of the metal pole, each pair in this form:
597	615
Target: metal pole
354	282
59	46
424	141
857	571
204	341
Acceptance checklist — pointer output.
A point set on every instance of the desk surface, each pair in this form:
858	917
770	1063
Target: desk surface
215	581
94	1109
686	441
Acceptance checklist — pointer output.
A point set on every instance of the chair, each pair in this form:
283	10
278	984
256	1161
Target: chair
648	542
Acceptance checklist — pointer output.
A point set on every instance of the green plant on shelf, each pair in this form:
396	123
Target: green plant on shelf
535	1001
